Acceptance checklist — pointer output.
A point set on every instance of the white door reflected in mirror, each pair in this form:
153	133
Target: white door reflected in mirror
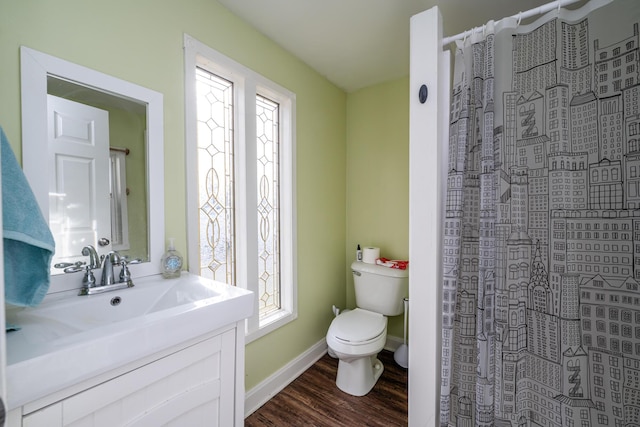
79	203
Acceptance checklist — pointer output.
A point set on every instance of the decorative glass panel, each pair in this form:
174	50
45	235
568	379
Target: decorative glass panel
215	176
267	142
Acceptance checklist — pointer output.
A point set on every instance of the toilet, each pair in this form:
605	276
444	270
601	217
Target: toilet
357	336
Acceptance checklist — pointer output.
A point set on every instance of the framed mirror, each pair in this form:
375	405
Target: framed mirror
92	150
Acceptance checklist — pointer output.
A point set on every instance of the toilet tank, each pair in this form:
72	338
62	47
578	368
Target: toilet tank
380	289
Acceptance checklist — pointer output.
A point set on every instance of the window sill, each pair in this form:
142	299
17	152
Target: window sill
270	324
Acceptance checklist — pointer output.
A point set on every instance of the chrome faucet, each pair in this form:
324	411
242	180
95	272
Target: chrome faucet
108	260
94	260
109	281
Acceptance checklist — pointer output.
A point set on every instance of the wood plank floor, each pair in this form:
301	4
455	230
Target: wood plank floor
313	399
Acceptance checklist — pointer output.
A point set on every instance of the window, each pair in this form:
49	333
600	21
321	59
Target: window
118	191
240	143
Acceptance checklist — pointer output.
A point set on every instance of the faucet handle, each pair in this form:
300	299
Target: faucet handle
69	264
89	280
125	274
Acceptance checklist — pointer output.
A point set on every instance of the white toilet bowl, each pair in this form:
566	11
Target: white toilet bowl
356	337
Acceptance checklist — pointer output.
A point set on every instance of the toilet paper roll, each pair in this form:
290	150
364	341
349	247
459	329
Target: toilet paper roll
370	255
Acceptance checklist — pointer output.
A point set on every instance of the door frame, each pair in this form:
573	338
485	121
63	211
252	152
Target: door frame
428	151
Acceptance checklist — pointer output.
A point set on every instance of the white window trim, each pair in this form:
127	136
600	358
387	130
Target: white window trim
246	84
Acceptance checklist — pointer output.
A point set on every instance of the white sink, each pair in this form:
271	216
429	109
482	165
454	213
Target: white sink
71	338
91	311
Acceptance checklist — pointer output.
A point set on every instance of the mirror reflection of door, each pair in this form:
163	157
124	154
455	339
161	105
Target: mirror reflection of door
79	203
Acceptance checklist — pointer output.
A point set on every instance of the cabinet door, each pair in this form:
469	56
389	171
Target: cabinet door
192	387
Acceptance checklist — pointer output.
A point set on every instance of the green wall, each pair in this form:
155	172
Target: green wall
378	176
141	41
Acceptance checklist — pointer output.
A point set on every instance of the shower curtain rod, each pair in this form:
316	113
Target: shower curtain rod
522	15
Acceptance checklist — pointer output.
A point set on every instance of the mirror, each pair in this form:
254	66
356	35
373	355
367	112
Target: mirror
121	208
83	194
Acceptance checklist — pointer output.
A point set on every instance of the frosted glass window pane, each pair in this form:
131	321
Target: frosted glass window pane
215	176
267	144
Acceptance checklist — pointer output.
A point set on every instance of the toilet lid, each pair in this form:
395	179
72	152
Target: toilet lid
358	325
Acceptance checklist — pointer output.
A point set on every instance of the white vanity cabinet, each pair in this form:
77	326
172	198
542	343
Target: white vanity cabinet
170	352
195	384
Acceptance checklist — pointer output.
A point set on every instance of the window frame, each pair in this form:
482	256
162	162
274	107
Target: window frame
247	84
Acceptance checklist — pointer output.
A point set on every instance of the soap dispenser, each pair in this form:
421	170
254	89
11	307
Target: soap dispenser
171	262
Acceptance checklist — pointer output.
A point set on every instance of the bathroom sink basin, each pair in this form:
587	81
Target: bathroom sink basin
83	336
92	311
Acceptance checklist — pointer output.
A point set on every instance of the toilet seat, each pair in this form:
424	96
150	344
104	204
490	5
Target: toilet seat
358	327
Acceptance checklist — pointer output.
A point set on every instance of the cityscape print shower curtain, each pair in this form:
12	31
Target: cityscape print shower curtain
541	262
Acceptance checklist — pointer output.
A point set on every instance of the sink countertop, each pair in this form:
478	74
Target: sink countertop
49	354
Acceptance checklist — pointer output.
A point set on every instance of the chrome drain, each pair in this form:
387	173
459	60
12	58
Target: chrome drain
116	301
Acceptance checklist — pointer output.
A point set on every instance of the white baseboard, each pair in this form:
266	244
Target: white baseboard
393	343
260	394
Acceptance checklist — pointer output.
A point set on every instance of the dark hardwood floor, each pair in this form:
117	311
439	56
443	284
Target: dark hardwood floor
313	399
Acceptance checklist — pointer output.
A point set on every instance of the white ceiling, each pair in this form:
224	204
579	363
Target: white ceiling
358	43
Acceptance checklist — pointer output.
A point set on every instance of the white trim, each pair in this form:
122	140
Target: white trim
191	134
393	343
263	392
247	84
239	372
271	323
34	68
428	135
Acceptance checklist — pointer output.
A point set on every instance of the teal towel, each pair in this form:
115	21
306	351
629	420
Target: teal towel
10	327
28	242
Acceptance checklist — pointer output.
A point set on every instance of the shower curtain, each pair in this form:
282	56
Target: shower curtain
541	262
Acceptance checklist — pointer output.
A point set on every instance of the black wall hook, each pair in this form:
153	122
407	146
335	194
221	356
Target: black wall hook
423	94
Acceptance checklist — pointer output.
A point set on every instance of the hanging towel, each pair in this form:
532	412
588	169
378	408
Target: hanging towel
10	327
28	242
